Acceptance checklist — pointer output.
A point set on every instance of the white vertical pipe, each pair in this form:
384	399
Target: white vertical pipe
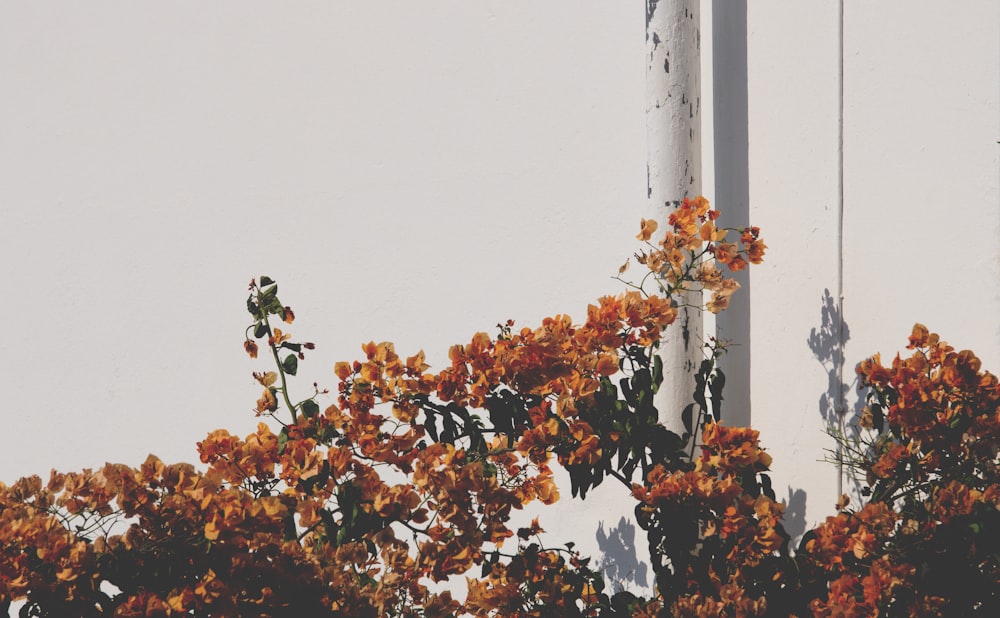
673	145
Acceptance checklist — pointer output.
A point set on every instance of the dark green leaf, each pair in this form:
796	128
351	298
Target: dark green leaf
642	384
330	525
290	364
878	417
687	417
700	382
309	408
628	392
629	468
290	532
282	440
274	306
269	292
623	602
765	484
501	414
608	389
328	433
260	330
715	388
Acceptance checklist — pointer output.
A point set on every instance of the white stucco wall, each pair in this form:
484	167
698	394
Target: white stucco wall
793	193
922	176
407	172
418	172
917	188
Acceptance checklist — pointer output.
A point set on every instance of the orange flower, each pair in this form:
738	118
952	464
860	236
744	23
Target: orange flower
755	251
709	233
737	263
278	337
724	252
648	227
267	402
919	336
343	370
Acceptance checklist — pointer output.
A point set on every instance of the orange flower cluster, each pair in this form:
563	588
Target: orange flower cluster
732	528
682	258
939	406
835	550
928	544
411	477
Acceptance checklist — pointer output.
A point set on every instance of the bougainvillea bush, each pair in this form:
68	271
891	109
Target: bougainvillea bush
409	480
927	543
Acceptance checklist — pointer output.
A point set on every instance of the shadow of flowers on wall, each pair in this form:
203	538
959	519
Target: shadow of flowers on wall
620	563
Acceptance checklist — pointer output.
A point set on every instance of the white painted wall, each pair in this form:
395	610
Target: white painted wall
917	186
792	76
409	172
418	172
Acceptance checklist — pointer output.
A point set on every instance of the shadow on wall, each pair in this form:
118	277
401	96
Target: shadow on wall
732	189
827	344
794	519
619	562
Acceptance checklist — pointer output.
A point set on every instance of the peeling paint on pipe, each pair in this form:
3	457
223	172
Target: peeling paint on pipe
673	146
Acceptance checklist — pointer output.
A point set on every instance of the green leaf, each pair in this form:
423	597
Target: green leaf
282	440
290	364
328	433
715	390
269	292
642	384
623	602
657	373
701	381
260	330
265	281
878	417
608	389
630	395
309	408
687	418
290	532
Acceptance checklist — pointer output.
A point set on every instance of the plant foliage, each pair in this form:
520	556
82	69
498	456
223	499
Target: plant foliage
411	477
